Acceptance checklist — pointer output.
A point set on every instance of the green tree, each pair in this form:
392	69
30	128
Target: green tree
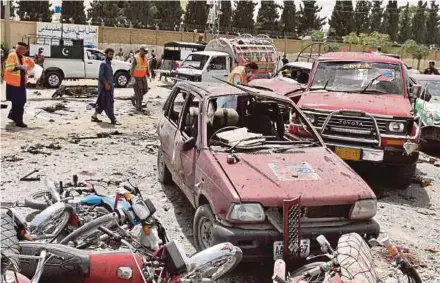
342	21
375	40
433	24
308	17
317	36
390	22
362	16
226	16
139	14
267	18
289	16
419	30
169	13
73	10
243	17
405	31
416	51
109	13
196	14
376	16
352	38
34	11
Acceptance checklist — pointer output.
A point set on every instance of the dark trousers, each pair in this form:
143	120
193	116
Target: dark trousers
17	96
105	103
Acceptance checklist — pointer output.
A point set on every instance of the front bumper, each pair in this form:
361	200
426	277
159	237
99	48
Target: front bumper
386	155
257	245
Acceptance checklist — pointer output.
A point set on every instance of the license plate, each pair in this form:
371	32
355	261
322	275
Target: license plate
348	153
278	249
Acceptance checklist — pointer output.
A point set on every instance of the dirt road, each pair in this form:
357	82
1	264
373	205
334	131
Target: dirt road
54	144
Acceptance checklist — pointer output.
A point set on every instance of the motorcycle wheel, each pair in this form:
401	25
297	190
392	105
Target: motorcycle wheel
38	200
88	228
53	225
303	269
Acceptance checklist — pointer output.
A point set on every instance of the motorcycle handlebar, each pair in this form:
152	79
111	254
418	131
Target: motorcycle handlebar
112	235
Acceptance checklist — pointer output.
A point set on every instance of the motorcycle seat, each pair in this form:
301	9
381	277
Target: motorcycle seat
64	264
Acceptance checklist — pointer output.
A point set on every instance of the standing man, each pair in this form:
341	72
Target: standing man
17	66
284	60
105	101
139	70
431	70
39	60
153	66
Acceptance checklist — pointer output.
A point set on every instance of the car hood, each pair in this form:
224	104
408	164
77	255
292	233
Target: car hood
379	104
315	174
189	71
278	85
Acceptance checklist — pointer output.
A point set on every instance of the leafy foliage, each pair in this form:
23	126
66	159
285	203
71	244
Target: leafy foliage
34	11
375	40
405	32
416	51
390	22
419	30
433	24
342	21
196	14
243	17
267	18
73	10
140	14
289	16
352	38
110	13
376	16
169	13
309	18
226	16
362	17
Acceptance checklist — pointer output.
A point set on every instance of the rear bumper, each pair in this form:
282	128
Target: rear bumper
386	155
257	245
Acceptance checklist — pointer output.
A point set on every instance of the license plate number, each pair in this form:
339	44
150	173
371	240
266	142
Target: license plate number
278	248
348	153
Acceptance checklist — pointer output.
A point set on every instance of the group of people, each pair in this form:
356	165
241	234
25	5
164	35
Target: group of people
153	63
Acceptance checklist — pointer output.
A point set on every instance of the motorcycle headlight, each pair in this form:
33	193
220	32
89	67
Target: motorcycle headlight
246	212
364	209
311	117
396	127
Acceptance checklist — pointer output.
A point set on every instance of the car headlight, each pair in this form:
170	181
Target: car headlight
364	209
246	212
311	117
396	127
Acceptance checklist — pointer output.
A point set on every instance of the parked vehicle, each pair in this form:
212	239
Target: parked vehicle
240	169
361	105
221	55
427	105
138	264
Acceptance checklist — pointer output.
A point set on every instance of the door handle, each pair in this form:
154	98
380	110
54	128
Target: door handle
90	63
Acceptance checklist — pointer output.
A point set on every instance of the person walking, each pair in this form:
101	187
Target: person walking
17	66
39	60
139	70
105	101
153	66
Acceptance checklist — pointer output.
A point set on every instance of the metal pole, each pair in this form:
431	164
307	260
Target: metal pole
7	23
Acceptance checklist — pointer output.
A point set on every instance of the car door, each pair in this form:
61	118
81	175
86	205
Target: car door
92	62
167	128
186	160
217	68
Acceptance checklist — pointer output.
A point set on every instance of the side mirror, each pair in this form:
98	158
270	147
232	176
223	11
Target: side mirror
210	67
416	91
189	144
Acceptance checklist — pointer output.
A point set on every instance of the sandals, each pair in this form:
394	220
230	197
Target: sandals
96	120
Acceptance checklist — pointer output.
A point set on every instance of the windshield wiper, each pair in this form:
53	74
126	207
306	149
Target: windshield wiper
302	144
370	83
324	87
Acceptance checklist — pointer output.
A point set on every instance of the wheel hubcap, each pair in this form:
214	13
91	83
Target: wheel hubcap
206	232
122	80
53	80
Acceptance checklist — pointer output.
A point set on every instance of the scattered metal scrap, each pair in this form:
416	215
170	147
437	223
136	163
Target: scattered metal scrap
100	135
37	148
55	107
28	178
81	91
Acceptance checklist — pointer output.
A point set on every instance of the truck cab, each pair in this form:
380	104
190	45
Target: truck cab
360	103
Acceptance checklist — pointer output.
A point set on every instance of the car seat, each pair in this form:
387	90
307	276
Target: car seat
223	117
259	121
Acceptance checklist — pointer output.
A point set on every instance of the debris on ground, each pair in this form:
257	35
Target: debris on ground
432	250
55	107
82	91
28	178
12	158
37	148
100	135
423	181
37	93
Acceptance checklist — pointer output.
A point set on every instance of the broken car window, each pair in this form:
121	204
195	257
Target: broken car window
191	117
177	106
368	77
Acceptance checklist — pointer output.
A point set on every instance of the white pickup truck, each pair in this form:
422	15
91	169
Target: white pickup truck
67	65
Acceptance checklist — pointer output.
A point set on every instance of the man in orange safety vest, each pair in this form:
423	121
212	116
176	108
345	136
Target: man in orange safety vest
15	76
139	70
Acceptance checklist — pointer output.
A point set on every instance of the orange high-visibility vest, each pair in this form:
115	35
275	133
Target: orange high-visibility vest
238	76
11	76
140	70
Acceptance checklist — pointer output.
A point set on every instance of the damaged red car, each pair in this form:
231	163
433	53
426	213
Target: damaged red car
252	182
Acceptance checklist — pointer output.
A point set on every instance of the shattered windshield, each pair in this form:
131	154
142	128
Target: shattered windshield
250	122
195	61
433	87
358	77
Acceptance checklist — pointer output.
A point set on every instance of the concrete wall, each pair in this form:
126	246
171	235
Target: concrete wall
130	39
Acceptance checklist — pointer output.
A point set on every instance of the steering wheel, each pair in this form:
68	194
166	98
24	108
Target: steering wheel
222	130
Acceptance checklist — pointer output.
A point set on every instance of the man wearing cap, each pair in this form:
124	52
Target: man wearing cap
39	59
17	66
139	70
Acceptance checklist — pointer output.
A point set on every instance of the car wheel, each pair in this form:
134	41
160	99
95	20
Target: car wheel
53	79
401	176
163	174
121	79
203	227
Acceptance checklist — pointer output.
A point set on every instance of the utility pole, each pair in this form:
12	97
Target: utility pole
7	23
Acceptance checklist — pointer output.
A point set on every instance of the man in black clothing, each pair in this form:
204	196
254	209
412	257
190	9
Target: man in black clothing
431	70
284	60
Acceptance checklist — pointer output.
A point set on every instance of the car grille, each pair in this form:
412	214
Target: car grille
325	211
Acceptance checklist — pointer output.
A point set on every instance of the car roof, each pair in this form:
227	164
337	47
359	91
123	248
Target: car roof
422	77
358	56
302	65
215	89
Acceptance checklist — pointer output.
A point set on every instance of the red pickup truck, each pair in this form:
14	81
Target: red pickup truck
360	103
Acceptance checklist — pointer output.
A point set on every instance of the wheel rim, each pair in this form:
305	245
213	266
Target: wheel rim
53	80
122	80
205	232
43	197
56	223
